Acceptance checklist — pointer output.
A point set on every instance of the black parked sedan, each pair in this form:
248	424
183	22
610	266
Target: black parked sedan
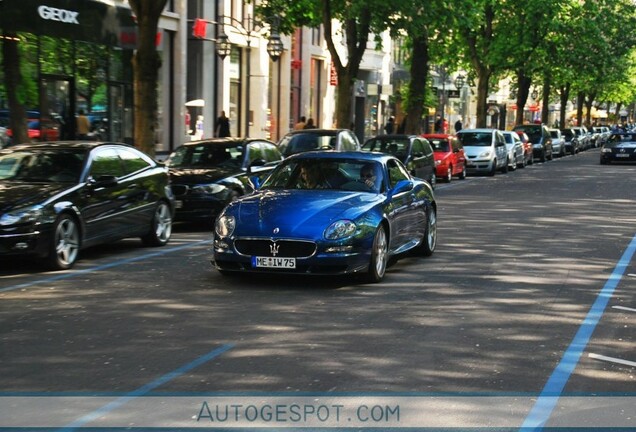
415	152
206	175
59	197
620	147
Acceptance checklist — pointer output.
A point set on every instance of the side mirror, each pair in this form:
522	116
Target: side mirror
400	187
256	182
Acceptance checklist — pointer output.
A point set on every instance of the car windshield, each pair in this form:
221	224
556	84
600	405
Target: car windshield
439	145
534	133
302	142
621	138
42	165
207	156
327	174
398	147
567	133
483	139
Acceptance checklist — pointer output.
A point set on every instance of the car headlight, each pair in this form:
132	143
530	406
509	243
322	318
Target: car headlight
438	162
340	229
21	216
211	189
224	226
606	150
485	154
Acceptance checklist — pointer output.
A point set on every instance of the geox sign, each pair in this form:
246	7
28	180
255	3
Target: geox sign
55	14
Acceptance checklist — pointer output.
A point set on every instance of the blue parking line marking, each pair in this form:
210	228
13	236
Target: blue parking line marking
103	267
547	400
145	389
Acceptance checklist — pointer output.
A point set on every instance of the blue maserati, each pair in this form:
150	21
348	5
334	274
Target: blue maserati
328	213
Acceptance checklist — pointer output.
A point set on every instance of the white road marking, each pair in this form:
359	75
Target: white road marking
624	308
612	359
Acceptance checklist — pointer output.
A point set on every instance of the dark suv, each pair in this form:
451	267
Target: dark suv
540	138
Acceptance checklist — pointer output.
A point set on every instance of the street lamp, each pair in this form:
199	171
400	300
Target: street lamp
460	80
254	29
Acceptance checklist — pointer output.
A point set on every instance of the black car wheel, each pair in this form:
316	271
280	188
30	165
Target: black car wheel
379	255
493	169
427	247
504	168
543	158
462	175
65	243
161	227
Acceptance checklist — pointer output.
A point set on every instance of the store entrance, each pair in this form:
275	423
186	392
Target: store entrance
57	110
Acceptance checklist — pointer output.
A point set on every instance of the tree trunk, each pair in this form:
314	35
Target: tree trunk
565	95
417	86
523	84
483	77
545	105
146	64
580	101
12	79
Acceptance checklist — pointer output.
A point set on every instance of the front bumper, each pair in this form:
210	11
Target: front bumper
348	259
479	165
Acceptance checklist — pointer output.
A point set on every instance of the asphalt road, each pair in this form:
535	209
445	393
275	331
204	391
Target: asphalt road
530	292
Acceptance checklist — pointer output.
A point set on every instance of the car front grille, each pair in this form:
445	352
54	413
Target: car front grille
278	248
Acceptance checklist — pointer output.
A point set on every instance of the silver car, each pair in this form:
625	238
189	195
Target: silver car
485	150
558	142
516	156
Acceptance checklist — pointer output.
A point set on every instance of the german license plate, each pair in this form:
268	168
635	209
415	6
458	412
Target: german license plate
273	262
622	155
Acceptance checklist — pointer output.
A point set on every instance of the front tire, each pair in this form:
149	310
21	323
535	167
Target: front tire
463	174
379	256
65	243
427	247
161	227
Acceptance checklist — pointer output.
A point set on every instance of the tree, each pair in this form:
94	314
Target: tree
146	64
13	78
358	18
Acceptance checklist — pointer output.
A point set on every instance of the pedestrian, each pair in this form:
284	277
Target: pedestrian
438	124
390	124
310	124
83	125
301	123
458	125
198	128
222	127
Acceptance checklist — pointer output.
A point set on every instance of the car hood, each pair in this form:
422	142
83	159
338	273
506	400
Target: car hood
298	213
14	195
201	175
441	155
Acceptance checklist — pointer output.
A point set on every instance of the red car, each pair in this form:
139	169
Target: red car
527	147
450	159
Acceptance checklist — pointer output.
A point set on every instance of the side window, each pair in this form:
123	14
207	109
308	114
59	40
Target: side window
271	152
255	152
133	162
106	162
397	172
428	150
347	142
418	148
